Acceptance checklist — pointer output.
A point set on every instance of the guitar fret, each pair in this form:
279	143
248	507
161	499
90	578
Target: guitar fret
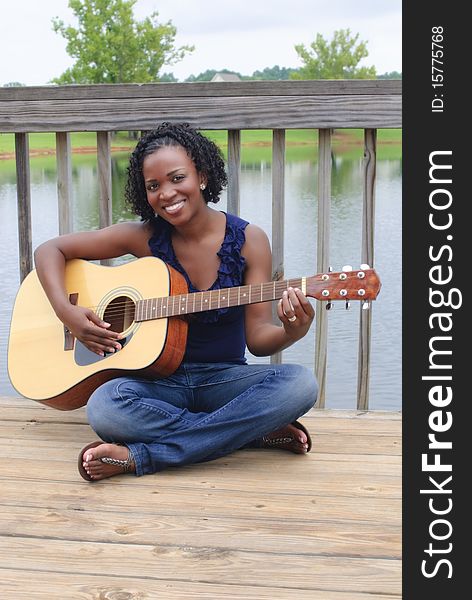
153	308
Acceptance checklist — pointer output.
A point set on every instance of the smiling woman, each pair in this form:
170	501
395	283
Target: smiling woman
212	402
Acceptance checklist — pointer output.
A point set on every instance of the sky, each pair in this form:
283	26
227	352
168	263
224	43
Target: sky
241	35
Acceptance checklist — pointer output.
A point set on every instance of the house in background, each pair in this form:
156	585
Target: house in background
218	77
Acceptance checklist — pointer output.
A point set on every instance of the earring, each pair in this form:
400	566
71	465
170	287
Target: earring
202	186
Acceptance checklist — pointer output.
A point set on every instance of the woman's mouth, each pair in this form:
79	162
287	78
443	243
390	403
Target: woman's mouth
173	208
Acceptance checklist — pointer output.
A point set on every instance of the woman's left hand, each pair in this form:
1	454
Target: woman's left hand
295	312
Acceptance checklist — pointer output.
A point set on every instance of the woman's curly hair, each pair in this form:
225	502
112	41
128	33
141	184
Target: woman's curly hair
205	154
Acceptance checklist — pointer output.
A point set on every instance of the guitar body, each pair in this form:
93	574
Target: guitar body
45	362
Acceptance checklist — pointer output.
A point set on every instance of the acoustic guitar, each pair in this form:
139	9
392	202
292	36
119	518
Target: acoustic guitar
144	300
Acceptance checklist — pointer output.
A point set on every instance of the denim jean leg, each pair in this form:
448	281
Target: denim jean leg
127	410
297	388
278	395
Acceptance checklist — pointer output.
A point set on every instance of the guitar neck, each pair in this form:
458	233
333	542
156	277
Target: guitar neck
184	304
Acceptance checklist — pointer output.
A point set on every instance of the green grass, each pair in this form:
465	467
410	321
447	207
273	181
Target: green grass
47	141
302	144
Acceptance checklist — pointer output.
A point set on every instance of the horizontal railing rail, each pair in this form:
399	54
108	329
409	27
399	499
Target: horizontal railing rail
246	105
280	105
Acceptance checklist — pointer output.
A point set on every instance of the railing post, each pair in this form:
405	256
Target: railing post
23	192
322	252
104	181
278	214
234	170
64	181
367	256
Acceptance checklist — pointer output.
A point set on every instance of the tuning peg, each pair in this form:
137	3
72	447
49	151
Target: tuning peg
347	268
348	305
364	266
329	305
365	305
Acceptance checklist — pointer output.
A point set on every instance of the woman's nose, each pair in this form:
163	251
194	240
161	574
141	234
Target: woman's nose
165	192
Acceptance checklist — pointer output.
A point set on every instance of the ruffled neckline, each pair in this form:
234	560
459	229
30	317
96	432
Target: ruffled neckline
232	263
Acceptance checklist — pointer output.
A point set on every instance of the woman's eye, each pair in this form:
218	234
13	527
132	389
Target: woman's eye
178	177
152	187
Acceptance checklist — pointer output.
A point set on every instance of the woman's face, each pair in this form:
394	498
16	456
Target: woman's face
172	184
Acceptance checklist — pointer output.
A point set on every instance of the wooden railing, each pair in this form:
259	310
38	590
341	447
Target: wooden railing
281	105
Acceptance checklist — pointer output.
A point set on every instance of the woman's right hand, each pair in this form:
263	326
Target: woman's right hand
92	331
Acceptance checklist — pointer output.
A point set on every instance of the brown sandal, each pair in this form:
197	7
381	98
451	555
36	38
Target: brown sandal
283	439
124	464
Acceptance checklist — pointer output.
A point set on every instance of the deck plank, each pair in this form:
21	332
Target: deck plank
253	525
52	586
214	565
283	535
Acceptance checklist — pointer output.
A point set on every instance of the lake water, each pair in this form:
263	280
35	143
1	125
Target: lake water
300	251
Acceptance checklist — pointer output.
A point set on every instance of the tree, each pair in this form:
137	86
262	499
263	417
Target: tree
390	75
205	76
110	46
168	78
337	59
275	73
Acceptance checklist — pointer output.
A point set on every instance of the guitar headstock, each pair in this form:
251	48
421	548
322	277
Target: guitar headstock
347	284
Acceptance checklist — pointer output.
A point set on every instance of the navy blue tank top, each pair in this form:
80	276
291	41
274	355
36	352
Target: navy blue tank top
213	335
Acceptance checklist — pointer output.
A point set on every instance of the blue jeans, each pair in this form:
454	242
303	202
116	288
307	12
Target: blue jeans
201	412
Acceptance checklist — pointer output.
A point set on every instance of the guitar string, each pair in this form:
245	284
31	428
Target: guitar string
280	286
120	307
121	313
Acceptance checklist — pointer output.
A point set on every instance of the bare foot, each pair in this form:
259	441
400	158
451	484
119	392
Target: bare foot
293	437
92	465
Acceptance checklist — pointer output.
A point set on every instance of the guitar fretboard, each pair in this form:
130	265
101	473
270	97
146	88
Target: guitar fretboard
183	304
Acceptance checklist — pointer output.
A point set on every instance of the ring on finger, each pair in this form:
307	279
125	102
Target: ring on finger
292	318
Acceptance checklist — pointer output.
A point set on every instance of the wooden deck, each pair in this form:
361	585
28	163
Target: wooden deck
259	524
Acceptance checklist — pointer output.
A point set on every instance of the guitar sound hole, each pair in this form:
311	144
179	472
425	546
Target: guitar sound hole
120	313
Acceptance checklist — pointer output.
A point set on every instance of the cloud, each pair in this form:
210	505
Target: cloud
241	35
213	16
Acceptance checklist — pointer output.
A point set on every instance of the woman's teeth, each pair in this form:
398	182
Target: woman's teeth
174	207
